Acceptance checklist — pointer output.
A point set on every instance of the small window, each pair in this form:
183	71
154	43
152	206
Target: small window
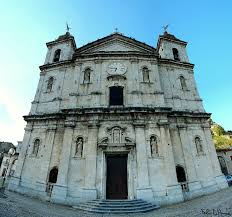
175	54
87	73
36	147
57	55
116	95
183	83
198	145
145	74
50	84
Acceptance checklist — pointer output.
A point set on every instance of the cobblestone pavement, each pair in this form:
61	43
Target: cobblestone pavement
217	204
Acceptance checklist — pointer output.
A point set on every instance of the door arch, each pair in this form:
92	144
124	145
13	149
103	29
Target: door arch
180	173
53	175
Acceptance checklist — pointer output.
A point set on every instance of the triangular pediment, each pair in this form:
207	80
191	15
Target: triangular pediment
116	43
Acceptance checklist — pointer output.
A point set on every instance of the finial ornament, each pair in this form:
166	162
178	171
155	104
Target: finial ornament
67	27
116	29
165	28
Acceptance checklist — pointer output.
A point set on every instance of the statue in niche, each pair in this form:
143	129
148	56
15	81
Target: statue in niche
198	145
145	74
79	147
116	136
87	75
154	146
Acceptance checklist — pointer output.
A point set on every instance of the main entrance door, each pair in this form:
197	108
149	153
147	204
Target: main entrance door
116	180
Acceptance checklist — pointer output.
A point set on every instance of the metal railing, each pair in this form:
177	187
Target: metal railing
184	186
49	188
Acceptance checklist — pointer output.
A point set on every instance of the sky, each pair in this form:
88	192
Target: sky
27	25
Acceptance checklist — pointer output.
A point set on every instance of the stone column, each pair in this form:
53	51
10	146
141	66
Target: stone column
174	191
220	178
191	174
59	192
144	190
14	182
49	142
90	154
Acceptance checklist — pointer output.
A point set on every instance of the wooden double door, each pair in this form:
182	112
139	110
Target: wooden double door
116	179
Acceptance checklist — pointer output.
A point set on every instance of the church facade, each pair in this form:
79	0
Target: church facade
117	119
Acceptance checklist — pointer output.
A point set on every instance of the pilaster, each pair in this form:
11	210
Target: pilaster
90	153
191	174
174	191
59	192
15	180
144	190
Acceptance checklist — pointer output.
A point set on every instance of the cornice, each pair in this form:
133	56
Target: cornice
56	64
175	63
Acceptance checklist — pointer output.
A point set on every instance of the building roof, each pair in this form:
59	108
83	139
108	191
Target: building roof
119	36
66	37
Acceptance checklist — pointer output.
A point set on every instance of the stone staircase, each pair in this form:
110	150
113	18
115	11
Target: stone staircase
116	206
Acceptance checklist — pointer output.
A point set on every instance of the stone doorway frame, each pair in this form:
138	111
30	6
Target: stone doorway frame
130	177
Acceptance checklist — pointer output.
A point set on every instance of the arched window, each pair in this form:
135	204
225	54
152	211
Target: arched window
154	146
79	147
53	175
57	55
145	74
50	84
87	73
175	54
36	147
198	145
183	83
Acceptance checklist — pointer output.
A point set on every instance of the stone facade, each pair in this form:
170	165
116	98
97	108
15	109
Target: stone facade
225	160
112	97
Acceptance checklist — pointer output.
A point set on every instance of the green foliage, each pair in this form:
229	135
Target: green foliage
217	130
221	140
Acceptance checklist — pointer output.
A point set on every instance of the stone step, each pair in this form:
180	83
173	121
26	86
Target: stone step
120	211
116	206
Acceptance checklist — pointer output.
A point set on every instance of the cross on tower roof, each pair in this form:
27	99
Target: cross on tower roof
67	27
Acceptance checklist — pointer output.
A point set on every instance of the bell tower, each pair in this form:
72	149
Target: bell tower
172	48
60	49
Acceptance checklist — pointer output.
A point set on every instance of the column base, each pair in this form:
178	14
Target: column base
145	193
174	194
221	182
13	183
59	194
89	194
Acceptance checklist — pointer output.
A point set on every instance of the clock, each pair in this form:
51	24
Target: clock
116	68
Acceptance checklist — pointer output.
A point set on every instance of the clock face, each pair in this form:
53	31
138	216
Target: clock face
116	68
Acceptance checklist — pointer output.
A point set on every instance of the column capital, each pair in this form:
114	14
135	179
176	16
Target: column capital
98	61
70	123
28	129
181	126
139	124
163	122
93	124
134	60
